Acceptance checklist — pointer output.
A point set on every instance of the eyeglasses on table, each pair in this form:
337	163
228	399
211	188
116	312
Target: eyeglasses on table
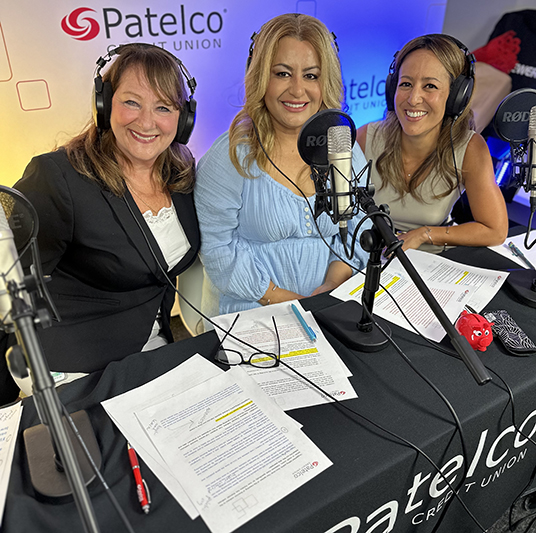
258	359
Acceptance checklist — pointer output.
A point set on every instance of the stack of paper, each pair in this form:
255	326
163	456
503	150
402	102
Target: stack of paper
122	410
9	427
454	286
316	360
222	447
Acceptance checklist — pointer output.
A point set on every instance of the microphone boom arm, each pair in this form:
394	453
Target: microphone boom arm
460	343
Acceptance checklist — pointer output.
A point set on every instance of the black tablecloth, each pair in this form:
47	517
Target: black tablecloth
376	482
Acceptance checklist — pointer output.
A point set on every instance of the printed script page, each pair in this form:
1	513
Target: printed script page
316	360
453	285
9	427
233	447
121	410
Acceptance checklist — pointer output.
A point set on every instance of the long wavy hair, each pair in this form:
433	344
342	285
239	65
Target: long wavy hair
97	156
389	164
254	112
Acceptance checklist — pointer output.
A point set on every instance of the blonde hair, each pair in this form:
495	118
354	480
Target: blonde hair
96	155
389	163
255	113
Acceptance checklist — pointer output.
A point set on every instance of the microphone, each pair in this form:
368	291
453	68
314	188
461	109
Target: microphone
340	161
512	116
335	190
19	225
515	122
531	150
10	268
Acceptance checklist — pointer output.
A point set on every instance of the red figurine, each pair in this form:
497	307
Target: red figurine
476	329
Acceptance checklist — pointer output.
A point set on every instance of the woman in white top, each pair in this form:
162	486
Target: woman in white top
428	121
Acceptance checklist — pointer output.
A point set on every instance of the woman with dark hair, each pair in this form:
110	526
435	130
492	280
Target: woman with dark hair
425	151
116	213
259	241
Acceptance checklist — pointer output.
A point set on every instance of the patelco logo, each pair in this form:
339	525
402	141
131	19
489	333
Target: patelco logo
184	28
80	27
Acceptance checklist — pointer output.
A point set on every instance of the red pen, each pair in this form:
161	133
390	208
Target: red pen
141	487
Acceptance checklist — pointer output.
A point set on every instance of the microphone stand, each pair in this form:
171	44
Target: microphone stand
373	240
48	404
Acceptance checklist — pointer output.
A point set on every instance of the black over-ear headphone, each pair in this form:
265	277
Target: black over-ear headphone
461	88
102	100
252	46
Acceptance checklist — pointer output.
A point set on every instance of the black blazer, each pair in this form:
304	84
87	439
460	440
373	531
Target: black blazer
106	283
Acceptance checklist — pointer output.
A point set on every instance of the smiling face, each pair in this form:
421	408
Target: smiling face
294	93
421	95
143	125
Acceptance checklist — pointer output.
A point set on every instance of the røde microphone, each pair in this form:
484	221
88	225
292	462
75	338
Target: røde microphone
340	159
532	157
515	122
512	116
312	140
313	149
10	269
19	226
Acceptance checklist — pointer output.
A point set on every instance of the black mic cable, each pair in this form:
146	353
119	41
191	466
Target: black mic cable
443	398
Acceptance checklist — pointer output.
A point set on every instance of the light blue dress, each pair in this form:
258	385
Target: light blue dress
257	230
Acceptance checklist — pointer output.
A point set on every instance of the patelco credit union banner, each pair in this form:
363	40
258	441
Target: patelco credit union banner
48	51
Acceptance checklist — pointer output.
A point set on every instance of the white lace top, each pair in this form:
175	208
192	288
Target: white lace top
174	244
168	233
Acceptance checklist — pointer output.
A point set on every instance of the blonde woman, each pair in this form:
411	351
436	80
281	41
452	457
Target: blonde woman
259	243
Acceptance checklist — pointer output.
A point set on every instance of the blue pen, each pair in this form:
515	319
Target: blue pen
308	330
519	253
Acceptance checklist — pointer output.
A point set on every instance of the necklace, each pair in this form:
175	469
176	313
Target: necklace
153	211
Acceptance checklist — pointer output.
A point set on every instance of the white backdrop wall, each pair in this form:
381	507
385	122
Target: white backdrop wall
47	68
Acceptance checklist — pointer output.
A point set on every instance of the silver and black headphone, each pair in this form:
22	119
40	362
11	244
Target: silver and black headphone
102	100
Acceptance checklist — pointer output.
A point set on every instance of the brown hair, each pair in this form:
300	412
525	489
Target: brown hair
255	112
96	154
389	163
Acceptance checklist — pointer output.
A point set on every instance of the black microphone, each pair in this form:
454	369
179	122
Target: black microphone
515	122
531	147
512	116
340	161
19	225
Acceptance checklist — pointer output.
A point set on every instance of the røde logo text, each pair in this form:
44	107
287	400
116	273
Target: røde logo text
516	116
316	140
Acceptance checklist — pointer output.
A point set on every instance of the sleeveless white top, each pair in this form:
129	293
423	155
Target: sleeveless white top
407	212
